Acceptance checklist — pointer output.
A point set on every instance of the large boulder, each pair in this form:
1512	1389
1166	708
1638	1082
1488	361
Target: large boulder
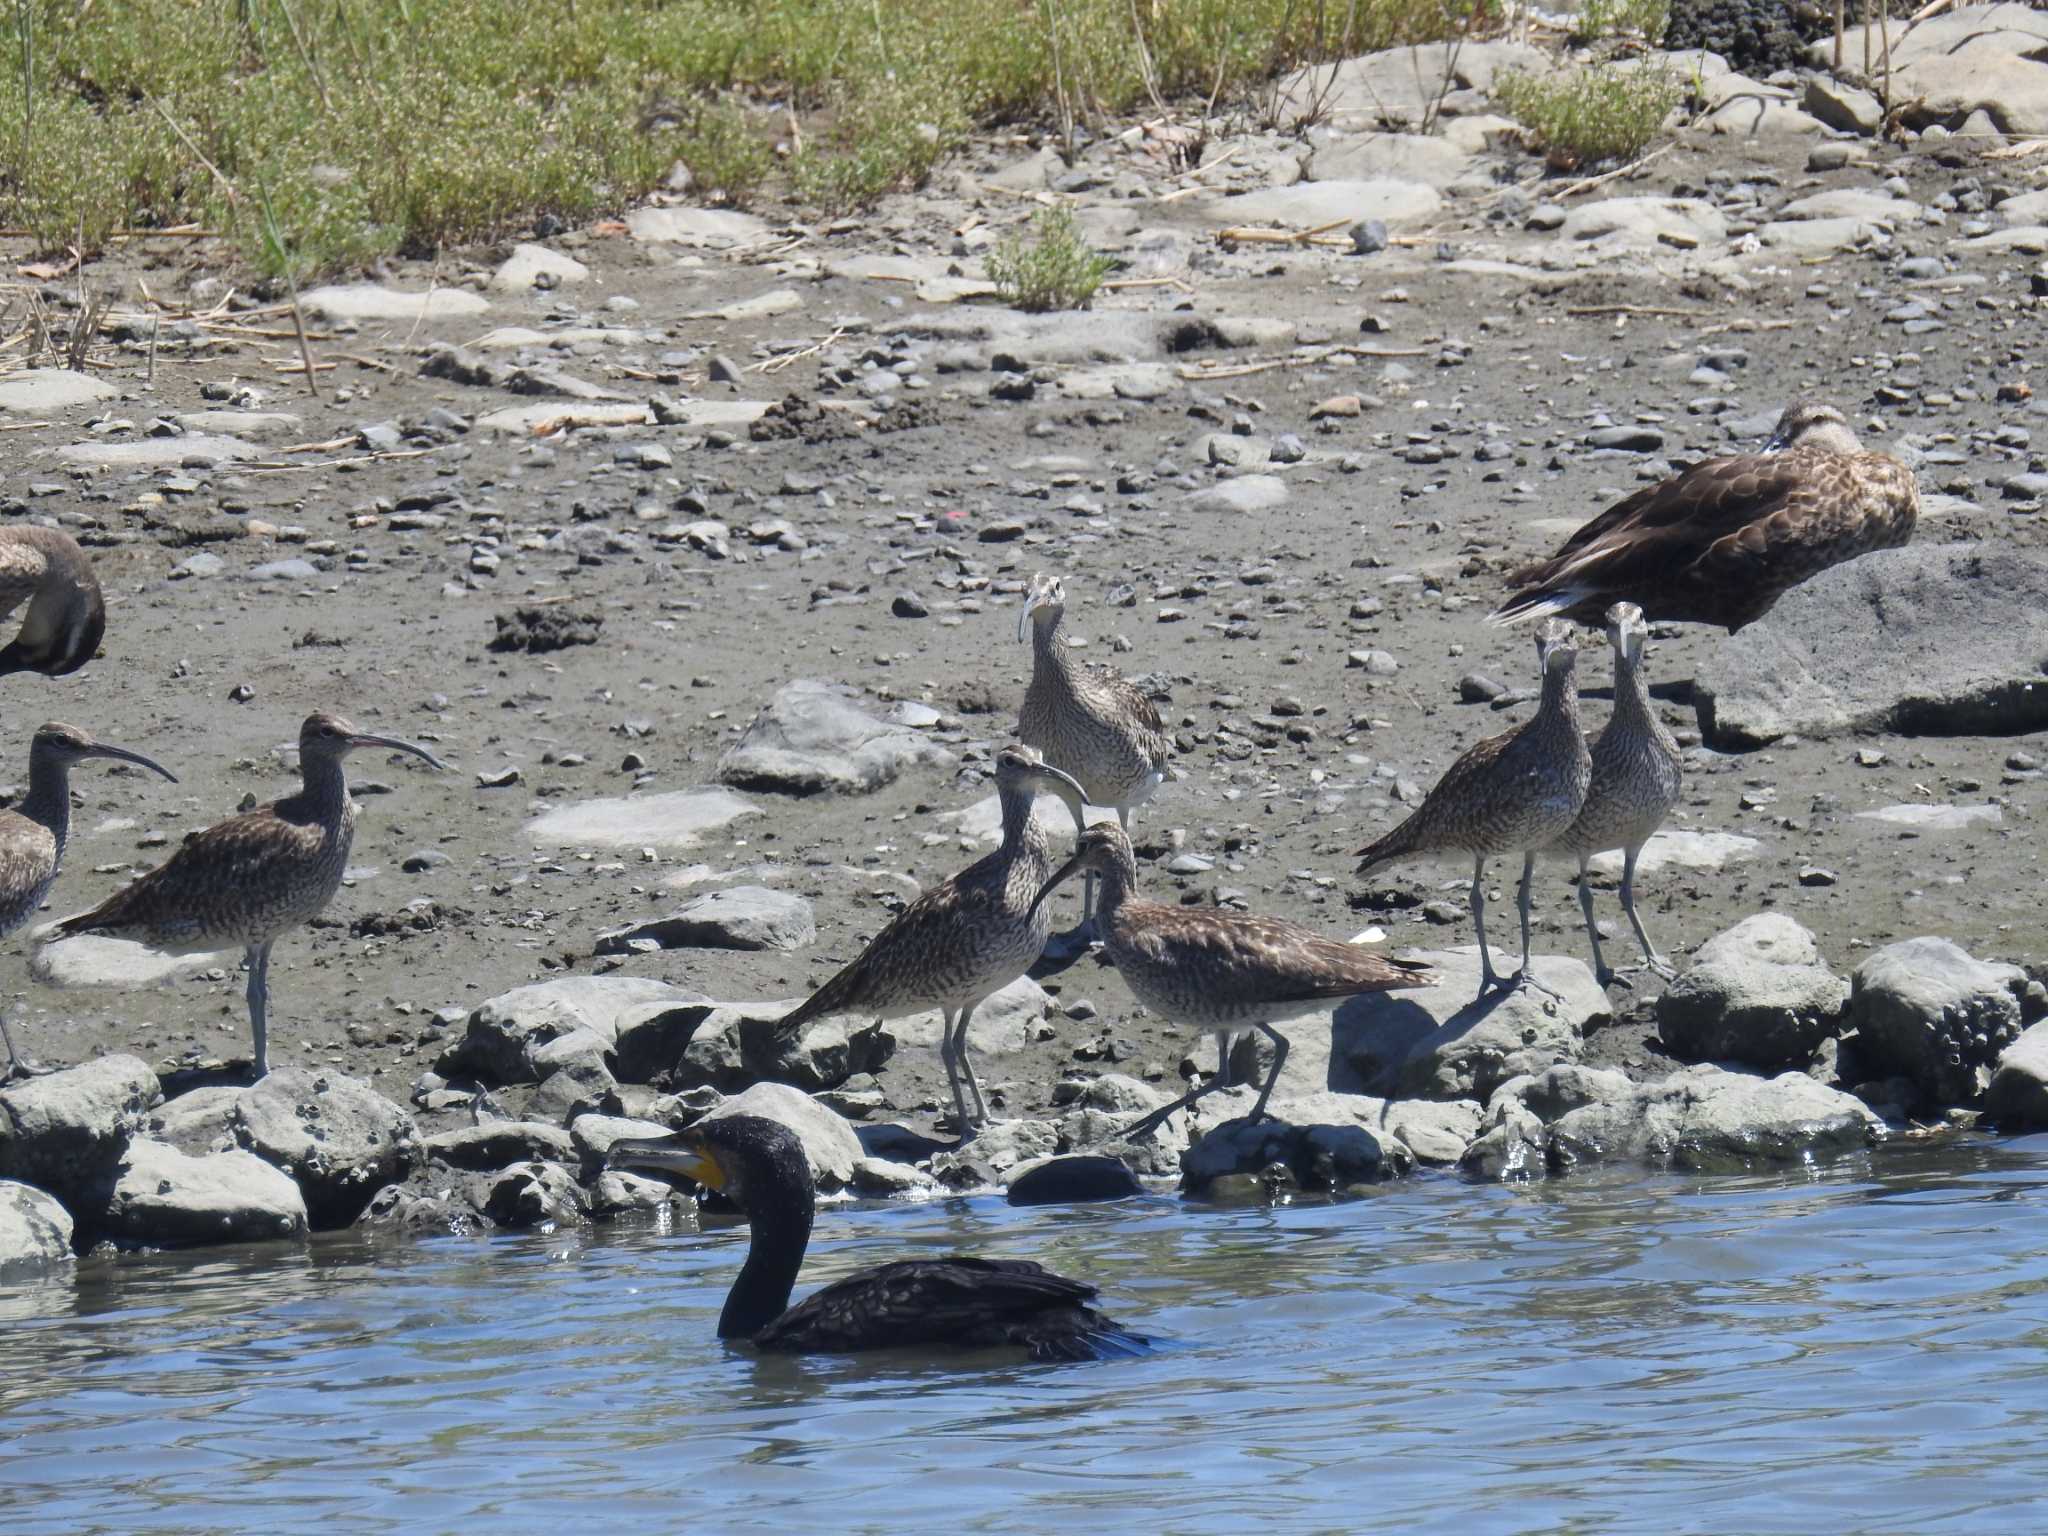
814	737
166	1198
1758	993
829	1141
64	1131
1707	1119
537	1194
1989	58
1926	1011
497	1143
1071	1180
1514	1137
1942	639
731	1046
508	1035
35	1232
1243	1157
2017	1099
337	1136
1446	1042
742	917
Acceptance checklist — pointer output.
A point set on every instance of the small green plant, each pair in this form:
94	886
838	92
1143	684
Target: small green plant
1623	20
1056	269
1584	116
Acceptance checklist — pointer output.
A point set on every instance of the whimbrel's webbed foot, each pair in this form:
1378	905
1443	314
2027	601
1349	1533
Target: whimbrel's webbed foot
1527	978
1657	965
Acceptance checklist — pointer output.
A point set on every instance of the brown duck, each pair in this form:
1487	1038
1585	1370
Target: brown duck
1723	541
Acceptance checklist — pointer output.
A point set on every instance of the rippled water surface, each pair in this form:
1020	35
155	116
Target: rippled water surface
1864	1348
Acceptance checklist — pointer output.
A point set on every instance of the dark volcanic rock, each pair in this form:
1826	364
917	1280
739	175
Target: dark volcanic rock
1066	1180
64	1132
1754	36
1933	639
1925	1010
545	629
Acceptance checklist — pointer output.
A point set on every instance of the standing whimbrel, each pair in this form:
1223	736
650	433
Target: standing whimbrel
32	834
1636	779
1087	720
251	879
66	614
1723	541
1220	972
964	939
1512	793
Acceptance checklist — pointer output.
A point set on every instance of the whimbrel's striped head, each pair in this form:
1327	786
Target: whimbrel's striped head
1103	850
62	745
329	736
1044	601
66	618
1818	427
1022	770
1557	648
1626	631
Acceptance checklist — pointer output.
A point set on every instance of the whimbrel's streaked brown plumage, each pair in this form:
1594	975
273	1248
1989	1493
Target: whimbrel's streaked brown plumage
249	880
1723	541
1512	793
964	939
1221	972
1087	720
32	834
1637	776
66	615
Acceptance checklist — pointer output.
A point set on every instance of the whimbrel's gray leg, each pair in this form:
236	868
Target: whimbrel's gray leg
1651	958
1601	973
1223	1059
960	1116
1279	1060
1487	980
967	1065
19	1065
1525	977
259	1005
1159	1116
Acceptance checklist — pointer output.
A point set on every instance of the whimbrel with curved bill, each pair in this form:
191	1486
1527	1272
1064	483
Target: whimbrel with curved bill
964	939
32	834
1087	720
1222	972
251	879
1636	780
66	616
1512	793
1723	541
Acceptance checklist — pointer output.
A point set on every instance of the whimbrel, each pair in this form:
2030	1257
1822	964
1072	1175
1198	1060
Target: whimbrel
1723	541
964	939
955	1302
1512	793
1087	720
1636	779
66	616
32	834
251	879
1221	972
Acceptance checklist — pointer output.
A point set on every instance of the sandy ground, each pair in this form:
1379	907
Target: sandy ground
1251	617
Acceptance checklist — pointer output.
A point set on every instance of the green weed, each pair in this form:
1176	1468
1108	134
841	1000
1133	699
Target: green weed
1055	269
1583	116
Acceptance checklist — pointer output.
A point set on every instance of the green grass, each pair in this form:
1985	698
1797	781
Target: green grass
1641	21
1055	269
1583	116
381	126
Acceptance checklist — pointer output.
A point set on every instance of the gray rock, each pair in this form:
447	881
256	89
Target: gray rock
829	1141
677	819
614	1192
518	272
1707	1119
1758	993
64	1131
1948	639
880	1178
1244	493
742	917
1400	85
160	452
203	1120
579	1086
337	1136
165	1198
1974	58
1071	1180
1842	106
92	961
35	1232
39	390
536	1194
1438	1043
1645	223
1315	204
989	1159
1435	1131
1314	1156
367	303
495	1143
717	228
814	737
594	1135
506	1034
2017	1099
1926	1011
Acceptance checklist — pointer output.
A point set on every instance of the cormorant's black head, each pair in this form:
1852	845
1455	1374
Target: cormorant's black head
753	1161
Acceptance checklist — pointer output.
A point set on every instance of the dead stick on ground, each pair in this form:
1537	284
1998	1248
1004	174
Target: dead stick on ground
1636	309
1601	180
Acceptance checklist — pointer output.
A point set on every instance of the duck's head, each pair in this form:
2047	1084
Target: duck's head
329	736
1021	770
1044	601
1626	632
735	1155
1821	427
1103	850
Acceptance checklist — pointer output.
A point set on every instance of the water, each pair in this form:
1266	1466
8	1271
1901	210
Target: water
1863	1348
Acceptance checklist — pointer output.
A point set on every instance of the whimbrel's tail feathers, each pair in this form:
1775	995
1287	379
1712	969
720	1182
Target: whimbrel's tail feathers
839	995
1397	844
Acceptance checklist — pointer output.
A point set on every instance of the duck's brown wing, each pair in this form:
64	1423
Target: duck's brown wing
1719	524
